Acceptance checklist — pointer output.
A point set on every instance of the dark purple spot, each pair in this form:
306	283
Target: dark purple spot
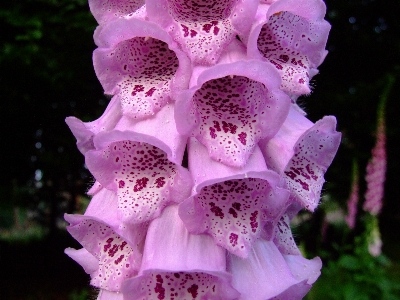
303	184
233	212
138	88
150	92
284	58
216	210
233	239
193	33
177	275
253	221
229	127
119	259
236	206
216	30
140	184
242	137
212	133
160	182
207	27
185	30
159	288
290	174
216	125
193	290
121	184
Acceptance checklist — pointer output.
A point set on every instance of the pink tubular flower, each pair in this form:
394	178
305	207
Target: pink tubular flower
140	161
179	265
203	28
139	63
302	152
266	273
231	106
291	34
376	171
232	205
354	198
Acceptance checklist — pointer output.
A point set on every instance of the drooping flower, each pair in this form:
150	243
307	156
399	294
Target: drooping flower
141	162
266	273
302	152
232	205
179	265
139	63
291	34
203	28
231	106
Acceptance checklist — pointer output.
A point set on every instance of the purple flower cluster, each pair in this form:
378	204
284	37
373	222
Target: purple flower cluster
219	79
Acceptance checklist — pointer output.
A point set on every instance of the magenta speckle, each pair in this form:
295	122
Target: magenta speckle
242	137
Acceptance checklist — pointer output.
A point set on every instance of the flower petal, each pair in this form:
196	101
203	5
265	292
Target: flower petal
108	10
232	205
143	170
231	107
305	163
203	28
88	262
107	295
117	259
179	265
141	64
85	131
292	35
263	275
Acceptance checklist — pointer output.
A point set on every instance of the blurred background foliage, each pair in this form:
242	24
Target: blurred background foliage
46	74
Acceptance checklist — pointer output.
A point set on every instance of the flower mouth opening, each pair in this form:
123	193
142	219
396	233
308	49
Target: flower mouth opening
228	108
200	11
147	66
143	176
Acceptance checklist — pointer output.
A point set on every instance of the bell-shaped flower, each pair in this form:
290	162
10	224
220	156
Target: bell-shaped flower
266	273
108	10
85	131
203	28
141	162
179	265
302	152
112	251
232	205
139	63
292	35
231	106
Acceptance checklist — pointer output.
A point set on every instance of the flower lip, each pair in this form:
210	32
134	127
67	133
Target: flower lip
105	11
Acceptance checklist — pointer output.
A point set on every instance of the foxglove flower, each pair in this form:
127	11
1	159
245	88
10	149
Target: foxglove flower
232	205
231	106
139	63
218	78
291	34
302	151
376	171
354	198
179	265
203	28
140	161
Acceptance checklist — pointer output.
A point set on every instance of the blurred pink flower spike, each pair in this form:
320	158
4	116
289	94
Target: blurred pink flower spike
139	63
203	28
106	11
266	273
141	162
179	265
352	203
230	204
217	109
117	259
303	157
85	131
292	35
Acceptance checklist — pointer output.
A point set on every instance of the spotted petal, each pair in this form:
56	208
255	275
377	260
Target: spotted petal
292	35
141	163
179	265
232	106
303	159
203	28
138	62
117	259
108	10
232	205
